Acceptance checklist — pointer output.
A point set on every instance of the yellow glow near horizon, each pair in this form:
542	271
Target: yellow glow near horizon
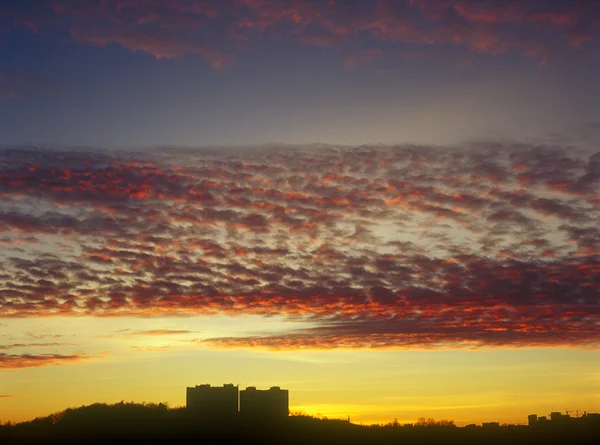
130	360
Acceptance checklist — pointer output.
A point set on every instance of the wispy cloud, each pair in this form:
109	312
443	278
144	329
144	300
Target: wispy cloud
161	332
33	345
18	361
164	348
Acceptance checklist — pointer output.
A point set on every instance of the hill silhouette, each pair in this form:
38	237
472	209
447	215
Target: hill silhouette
126	423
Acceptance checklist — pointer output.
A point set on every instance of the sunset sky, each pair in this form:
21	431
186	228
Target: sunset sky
389	207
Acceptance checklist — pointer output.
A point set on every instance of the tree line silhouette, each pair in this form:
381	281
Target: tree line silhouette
148	423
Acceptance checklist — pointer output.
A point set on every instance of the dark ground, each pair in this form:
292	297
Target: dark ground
128	423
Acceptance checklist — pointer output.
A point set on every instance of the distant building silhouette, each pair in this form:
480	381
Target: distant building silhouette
532	419
490	424
560	419
268	404
591	418
213	401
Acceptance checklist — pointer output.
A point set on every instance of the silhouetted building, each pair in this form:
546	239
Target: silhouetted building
557	418
532	419
490	424
270	403
213	401
591	418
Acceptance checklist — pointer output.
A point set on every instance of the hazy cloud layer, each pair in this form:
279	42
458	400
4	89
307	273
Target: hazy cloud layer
362	32
387	246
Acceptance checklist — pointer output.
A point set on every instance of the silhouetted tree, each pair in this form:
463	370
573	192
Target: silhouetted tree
149	423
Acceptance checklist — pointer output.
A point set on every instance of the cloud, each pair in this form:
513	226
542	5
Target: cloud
491	28
19	361
32	345
41	336
164	348
490	243
217	30
159	43
4	396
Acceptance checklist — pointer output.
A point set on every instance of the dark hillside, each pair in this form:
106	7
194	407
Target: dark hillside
128	423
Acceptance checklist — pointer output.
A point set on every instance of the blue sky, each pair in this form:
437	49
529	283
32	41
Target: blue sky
96	77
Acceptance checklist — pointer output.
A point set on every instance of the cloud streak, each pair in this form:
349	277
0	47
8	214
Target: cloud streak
19	361
161	332
32	345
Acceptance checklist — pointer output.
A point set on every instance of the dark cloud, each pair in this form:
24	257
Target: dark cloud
405	335
374	246
382	29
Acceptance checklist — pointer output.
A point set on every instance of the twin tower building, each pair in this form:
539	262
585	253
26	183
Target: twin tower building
227	401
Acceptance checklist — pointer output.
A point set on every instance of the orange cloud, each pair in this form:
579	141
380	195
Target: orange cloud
18	361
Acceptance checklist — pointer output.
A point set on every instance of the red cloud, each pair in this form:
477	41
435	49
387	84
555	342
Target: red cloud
370	249
159	43
214	29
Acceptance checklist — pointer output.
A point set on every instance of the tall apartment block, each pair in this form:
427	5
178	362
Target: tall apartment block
213	401
267	404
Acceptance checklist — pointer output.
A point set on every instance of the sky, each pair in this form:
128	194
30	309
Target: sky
390	208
